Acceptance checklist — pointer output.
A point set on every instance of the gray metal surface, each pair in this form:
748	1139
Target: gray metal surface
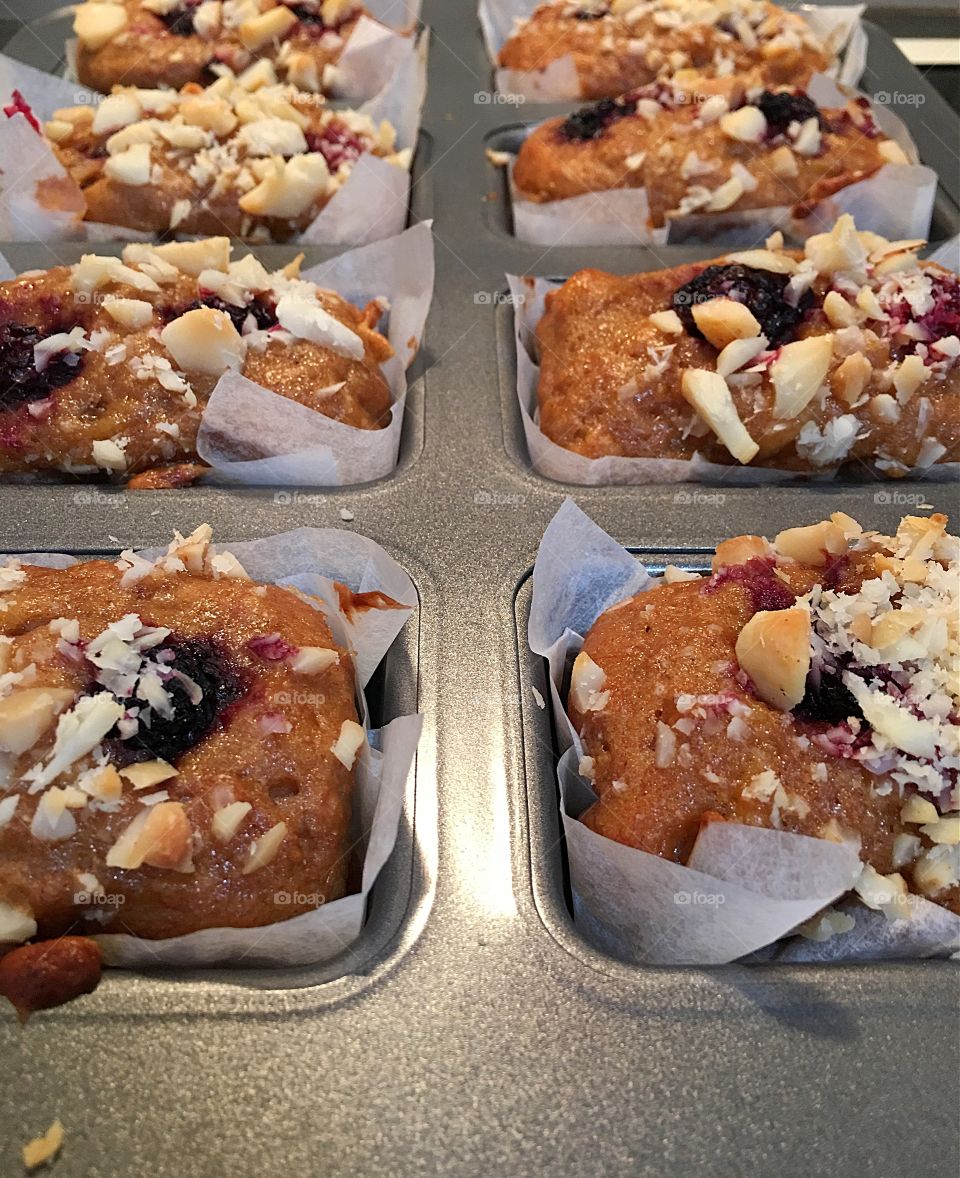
475	1032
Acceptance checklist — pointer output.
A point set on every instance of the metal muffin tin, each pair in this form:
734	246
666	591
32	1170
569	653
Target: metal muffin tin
472	1029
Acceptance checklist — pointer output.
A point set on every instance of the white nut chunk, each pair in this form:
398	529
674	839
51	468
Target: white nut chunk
97	24
131	167
268	26
587	685
710	396
812	544
132	313
350	741
312	660
264	850
724	320
773	649
746	125
26	715
798	373
204	340
287	190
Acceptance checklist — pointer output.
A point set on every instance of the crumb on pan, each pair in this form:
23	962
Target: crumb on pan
43	1149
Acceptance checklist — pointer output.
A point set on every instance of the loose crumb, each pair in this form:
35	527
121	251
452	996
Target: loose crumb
346	515
541	702
43	1149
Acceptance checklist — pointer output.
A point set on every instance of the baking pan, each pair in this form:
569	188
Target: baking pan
475	1031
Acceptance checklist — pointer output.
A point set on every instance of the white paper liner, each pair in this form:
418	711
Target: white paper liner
839	24
555	462
744	887
371	205
254	436
311	559
896	202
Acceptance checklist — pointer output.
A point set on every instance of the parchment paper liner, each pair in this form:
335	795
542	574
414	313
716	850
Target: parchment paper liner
558	82
311	559
251	435
553	461
896	202
744	888
371	204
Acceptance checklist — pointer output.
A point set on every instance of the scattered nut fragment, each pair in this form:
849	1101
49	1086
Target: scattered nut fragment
44	1149
746	125
710	396
204	340
851	377
27	714
97	24
132	167
227	821
668	321
587	685
917	810
798	373
348	744
811	544
268	26
724	320
740	549
773	649
264	850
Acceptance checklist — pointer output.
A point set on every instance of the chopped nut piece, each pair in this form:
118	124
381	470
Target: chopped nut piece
264	850
850	378
227	821
725	320
27	714
747	125
710	396
312	660
917	810
204	340
351	740
268	26
668	321
147	773
811	544
44	1149
739	550
132	167
773	649
97	24
132	313
798	373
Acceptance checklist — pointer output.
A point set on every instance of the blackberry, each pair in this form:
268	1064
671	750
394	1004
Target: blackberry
20	381
201	660
781	108
827	700
760	290
264	315
591	121
179	21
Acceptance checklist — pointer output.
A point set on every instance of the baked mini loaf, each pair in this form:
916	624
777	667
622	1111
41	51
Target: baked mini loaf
617	45
846	352
163	751
171	42
107	365
246	156
808	685
752	149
